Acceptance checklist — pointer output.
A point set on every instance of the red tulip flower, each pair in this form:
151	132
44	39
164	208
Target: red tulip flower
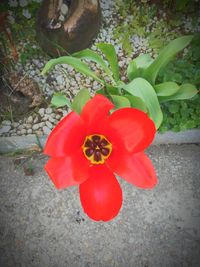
90	148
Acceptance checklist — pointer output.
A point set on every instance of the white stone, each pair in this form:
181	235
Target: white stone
21	126
49	110
28	126
6	122
45	118
42	124
15	124
65	112
29	131
29	119
36	127
49	124
35	120
46	130
41	112
60	79
26	13
51	119
58	117
5	129
64	9
61	18
23	131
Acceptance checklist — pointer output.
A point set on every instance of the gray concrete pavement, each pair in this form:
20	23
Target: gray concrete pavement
43	227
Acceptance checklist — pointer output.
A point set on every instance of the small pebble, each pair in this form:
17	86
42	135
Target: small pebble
6	122
49	110
42	124
51	119
58	117
30	119
28	126
29	131
46	130
23	131
36	126
64	9
5	129
35	120
41	112
49	125
15	124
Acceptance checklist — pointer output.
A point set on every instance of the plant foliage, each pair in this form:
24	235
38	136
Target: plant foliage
142	91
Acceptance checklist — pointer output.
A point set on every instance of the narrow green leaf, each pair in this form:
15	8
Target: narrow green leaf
166	54
74	62
120	101
110	54
166	88
59	100
93	56
132	70
136	66
186	91
143	89
137	102
80	100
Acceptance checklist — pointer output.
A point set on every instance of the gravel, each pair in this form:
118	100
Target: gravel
46	130
70	84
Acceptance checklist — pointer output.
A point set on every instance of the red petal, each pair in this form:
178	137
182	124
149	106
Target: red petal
136	169
134	127
100	194
96	110
60	172
80	166
68	171
66	137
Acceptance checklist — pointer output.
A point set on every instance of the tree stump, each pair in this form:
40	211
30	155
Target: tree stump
67	26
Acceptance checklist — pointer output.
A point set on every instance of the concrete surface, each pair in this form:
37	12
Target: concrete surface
14	143
43	227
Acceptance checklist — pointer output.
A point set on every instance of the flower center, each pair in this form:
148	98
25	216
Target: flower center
96	148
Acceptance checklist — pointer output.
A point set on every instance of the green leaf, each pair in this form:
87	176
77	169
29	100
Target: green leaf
109	51
132	70
120	101
74	62
93	56
137	102
59	100
80	100
137	66
112	90
143	89
166	54
186	91
166	88
107	91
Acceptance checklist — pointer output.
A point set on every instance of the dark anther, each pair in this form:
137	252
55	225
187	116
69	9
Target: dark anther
103	143
96	139
89	143
105	151
97	155
89	152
